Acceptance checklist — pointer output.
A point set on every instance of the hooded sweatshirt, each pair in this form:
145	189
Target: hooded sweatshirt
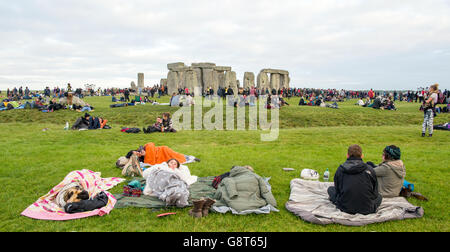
356	187
390	176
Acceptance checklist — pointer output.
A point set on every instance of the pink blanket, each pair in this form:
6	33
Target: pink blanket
45	208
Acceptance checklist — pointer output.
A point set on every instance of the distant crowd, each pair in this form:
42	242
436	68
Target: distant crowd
310	96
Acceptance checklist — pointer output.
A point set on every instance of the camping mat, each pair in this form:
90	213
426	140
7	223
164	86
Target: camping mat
201	188
309	200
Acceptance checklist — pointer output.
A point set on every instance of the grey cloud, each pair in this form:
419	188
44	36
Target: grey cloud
326	43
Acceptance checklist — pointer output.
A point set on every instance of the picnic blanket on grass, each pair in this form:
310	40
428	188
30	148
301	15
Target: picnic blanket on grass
45	208
202	188
309	200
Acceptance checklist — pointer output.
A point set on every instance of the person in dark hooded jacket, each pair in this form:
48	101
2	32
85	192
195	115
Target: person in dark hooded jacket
355	189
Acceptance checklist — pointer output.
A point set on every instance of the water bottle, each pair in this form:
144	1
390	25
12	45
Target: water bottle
326	175
67	126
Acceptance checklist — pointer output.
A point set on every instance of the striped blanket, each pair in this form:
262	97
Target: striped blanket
46	208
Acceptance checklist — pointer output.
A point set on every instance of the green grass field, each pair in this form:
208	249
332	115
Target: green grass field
34	161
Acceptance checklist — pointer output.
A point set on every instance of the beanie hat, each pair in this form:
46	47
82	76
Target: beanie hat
393	151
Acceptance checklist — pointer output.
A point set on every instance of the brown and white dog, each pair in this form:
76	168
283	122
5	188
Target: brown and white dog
75	194
71	193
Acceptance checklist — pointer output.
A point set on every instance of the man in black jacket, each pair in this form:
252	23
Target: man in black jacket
355	187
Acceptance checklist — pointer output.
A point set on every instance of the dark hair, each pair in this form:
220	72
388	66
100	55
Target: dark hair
392	152
355	151
178	163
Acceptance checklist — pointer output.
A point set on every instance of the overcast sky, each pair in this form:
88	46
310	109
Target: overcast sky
351	44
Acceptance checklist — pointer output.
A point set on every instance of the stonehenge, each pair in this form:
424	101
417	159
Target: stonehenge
278	79
203	75
206	74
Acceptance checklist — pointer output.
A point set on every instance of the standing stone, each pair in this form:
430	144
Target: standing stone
215	80
230	81
263	81
172	82
207	74
221	78
190	80
140	80
181	83
249	80
275	81
198	73
287	81
133	85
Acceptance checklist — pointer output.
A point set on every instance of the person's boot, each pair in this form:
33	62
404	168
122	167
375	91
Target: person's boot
208	203
430	135
423	134
196	211
145	130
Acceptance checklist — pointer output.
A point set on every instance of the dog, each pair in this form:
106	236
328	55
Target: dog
75	194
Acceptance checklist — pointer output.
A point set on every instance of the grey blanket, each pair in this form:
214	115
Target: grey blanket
309	200
169	188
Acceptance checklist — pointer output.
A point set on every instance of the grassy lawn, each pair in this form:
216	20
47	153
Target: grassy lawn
34	161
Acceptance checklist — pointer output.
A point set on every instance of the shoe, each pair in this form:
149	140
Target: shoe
145	130
418	196
206	206
196	160
197	210
430	135
423	134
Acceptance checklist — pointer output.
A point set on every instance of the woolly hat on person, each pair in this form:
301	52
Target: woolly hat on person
393	151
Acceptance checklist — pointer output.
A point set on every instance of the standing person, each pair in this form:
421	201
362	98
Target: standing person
428	110
126	93
371	94
355	189
69	96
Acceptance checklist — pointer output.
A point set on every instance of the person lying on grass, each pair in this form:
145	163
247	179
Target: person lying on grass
172	166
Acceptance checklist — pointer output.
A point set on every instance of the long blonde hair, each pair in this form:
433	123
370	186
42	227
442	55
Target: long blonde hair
434	88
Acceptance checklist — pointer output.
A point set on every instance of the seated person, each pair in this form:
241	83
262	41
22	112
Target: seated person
37	103
302	102
283	102
355	189
360	102
156	127
390	105
390	173
54	105
167	123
